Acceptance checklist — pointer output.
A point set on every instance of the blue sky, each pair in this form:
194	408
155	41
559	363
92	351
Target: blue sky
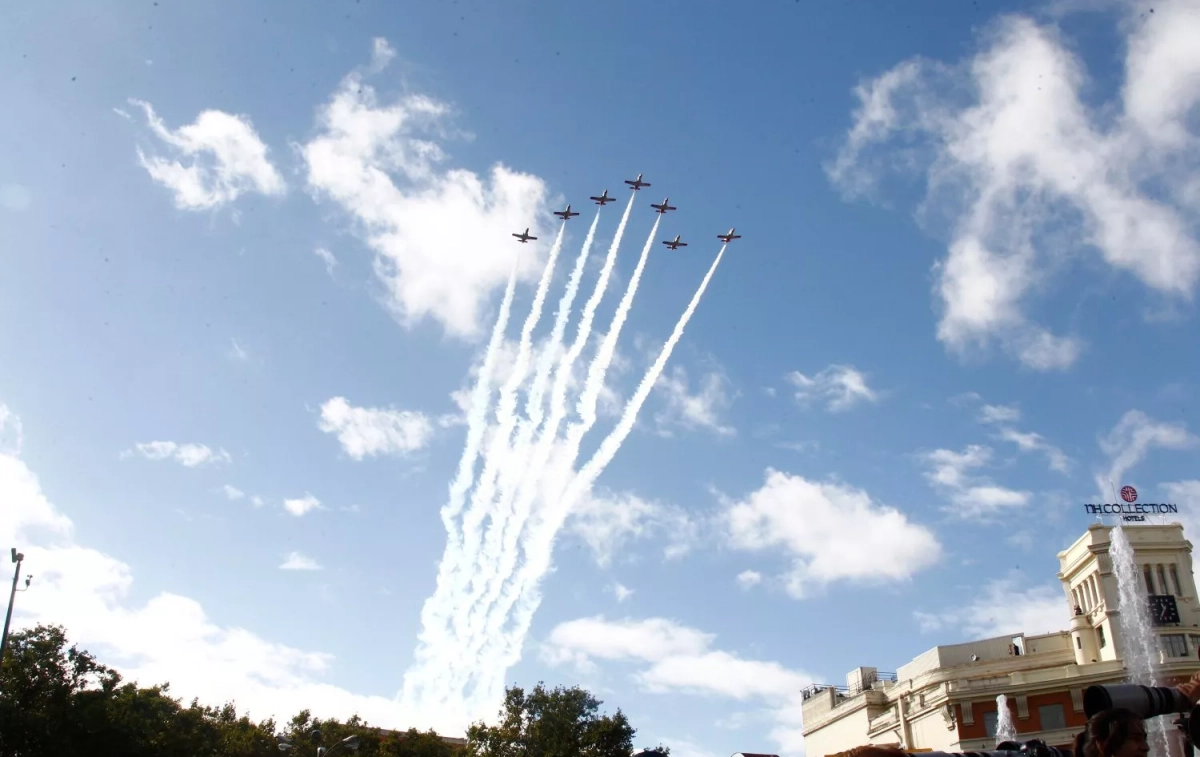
252	258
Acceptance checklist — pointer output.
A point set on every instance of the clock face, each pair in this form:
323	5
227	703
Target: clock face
1163	610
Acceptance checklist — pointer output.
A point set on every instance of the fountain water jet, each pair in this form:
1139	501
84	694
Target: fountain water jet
1139	646
1005	730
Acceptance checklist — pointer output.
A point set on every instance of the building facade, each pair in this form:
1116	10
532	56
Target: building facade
945	699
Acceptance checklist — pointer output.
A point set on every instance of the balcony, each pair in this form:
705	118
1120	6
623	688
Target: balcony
880	682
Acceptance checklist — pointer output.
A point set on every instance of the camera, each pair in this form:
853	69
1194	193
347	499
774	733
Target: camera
1148	702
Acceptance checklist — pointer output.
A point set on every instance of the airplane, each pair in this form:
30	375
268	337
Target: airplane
675	244
603	198
727	238
524	237
566	215
664	207
637	183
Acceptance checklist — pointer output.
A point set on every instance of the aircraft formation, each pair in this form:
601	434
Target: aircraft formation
661	208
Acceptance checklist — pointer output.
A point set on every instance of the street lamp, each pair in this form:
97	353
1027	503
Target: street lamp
17	557
350	742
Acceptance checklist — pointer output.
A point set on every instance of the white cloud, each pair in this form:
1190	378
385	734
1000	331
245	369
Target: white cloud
225	159
691	411
369	431
652	639
999	414
381	54
440	236
188	455
1002	608
232	492
327	258
169	637
622	592
302	505
297	561
839	386
1034	442
972	495
1128	443
1186	494
676	659
607	522
749	578
1019	201
1003	415
257	501
237	352
11	436
832	533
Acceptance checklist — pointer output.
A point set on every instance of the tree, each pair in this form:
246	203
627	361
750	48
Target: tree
58	701
563	722
41	681
414	743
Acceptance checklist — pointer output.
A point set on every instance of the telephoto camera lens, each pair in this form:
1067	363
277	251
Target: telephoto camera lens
1146	701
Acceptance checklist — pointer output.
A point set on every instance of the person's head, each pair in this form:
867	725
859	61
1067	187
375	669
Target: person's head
1113	733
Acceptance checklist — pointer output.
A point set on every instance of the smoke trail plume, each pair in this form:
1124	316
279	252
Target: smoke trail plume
498	450
462	543
545	530
490	565
489	581
433	614
451	669
540	547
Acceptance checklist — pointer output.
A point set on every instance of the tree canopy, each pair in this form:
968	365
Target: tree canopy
57	700
560	722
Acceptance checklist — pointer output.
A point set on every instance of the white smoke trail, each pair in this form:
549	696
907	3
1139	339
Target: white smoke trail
543	532
540	547
489	566
469	655
543	446
433	615
498	449
455	570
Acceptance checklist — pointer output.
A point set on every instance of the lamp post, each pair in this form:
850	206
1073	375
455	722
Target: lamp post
350	742
17	557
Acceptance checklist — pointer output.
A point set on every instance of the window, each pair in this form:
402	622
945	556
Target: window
1174	644
1175	580
1162	581
1149	580
1079	642
1052	716
989	723
1100	634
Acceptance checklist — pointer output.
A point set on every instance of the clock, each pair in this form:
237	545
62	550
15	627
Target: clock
1163	610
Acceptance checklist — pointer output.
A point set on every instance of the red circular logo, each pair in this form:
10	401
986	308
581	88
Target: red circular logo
1129	494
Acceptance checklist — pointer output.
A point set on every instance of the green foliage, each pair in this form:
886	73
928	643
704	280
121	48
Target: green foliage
58	701
563	722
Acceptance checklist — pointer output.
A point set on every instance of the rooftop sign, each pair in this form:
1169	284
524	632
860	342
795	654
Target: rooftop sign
1131	511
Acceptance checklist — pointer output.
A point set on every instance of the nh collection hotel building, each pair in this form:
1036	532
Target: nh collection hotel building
945	699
